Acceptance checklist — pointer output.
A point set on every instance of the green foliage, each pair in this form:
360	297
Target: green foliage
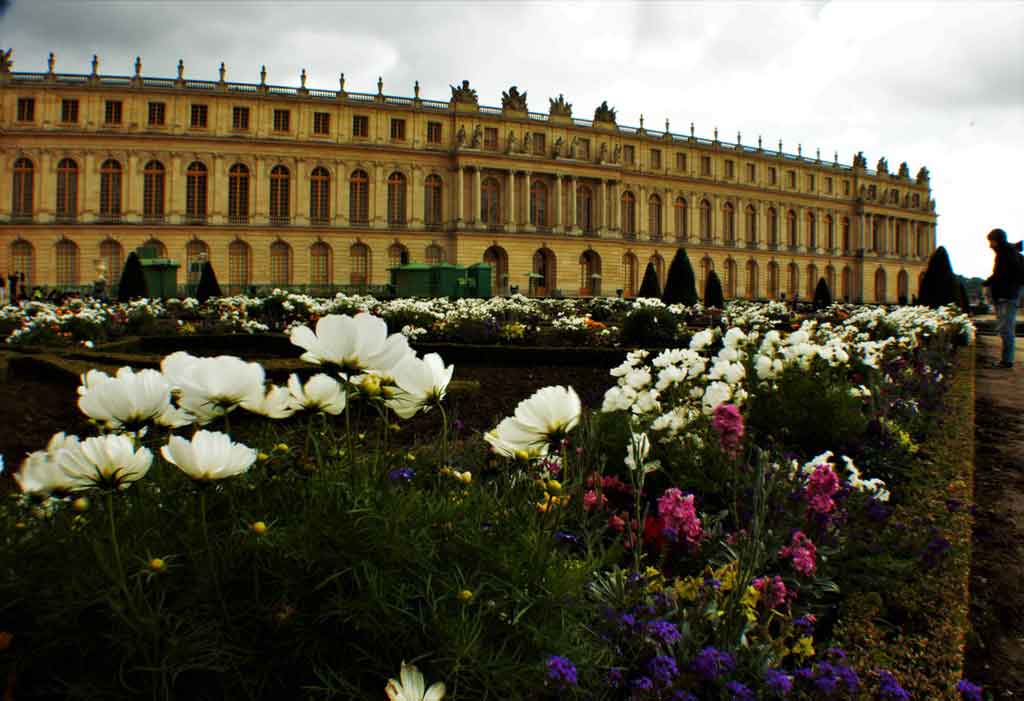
938	286
713	291
649	326
822	295
133	281
208	285
650	287
680	285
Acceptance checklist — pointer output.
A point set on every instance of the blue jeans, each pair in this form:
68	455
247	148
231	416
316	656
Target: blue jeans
1006	311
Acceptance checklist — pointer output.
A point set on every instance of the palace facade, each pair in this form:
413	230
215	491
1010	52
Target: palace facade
326	189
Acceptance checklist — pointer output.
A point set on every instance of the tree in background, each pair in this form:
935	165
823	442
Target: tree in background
680	285
208	285
713	296
822	295
132	284
650	287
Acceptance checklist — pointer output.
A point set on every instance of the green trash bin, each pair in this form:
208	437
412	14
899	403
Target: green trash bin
412	280
445	279
479	276
161	276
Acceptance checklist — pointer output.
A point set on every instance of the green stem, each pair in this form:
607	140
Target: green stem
444	436
209	554
117	548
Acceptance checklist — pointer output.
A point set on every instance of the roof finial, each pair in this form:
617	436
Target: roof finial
739	138
716	133
138	66
758	142
95	65
341	83
817	154
799	149
181	69
380	85
780	145
416	90
263	75
50	61
641	121
836	158
223	71
691	130
302	78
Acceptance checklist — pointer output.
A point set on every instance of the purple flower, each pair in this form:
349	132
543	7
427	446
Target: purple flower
968	691
615	678
805	624
663	631
561	672
402	474
889	689
683	696
663	668
567	538
778	682
642	683
740	691
710	663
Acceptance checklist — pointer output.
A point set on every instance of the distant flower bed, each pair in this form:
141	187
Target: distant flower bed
695	537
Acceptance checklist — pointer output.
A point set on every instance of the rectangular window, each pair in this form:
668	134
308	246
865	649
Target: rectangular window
791	179
810	183
655	159
681	162
69	111
491	138
433	132
361	126
751	172
628	155
584	149
322	123
282	120
828	186
772	178
730	169
539	147
112	112
705	165
398	130
198	119
26	109
240	118
157	113
846	187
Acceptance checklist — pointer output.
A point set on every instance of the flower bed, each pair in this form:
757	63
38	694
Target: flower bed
708	533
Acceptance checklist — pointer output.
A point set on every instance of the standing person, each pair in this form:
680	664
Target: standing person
12	284
3	290
1004	286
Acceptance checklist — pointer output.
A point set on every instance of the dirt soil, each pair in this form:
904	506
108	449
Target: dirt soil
995	655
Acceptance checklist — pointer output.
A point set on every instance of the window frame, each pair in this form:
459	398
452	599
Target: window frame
113	113
239	118
199	115
69	105
360	126
26	109
282	121
397	129
322	123
434	131
156	114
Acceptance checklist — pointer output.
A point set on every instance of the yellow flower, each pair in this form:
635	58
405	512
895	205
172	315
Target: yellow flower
554	486
749	602
410	457
804	647
80	504
262	457
259	528
686	589
157	565
281	447
465	596
727	576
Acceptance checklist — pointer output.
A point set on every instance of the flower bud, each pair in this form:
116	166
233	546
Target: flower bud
80	504
465	596
259	527
157	565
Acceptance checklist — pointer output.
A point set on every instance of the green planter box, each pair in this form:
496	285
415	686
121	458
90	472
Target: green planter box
161	277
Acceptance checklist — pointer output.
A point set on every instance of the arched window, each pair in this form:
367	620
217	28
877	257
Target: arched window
111	255
153	191
238	194
705	220
751	222
847	284
396	199
397	255
846	235
706	266
903	287
497	258
359	258
21	190
67	190
67	263
110	190
773	280
158	246
880	285
629	275
590	273
280	201
280	264
730	279
239	269
793	281
773	227
791	233
830	232
434	254
682	225
654	218
659	269
320	267
196	253
729	223
195	192
830	280
628	215
490	202
812	231
22	255
544	276
538	204
753	286
359	198
585	208
432	200
319	196
812	280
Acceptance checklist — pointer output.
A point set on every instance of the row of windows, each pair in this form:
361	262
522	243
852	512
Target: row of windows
543	279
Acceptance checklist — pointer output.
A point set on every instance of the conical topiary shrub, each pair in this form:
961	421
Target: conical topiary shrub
822	295
680	285
208	285
713	296
132	284
650	287
938	286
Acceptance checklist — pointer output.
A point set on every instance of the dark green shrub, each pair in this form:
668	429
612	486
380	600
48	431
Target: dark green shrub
208	285
650	287
938	286
680	285
649	326
822	295
133	282
713	296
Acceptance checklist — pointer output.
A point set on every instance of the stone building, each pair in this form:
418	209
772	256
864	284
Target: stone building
322	190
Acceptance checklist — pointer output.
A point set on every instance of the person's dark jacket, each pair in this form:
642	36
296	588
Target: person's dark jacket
1006	274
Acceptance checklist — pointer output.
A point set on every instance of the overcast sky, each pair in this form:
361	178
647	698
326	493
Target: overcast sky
934	84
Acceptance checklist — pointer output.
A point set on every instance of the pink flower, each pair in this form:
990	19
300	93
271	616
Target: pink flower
678	514
728	424
803	552
592	499
821	487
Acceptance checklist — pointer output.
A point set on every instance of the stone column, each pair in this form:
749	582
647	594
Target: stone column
416	197
477	201
557	209
460	192
132	179
299	194
260	200
217	190
526	225
574	224
341	193
603	211
512	218
716	219
378	198
643	215
44	183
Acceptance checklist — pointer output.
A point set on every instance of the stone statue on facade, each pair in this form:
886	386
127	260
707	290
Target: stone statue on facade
464	94
6	61
573	145
525	146
604	113
883	165
511	142
922	175
559	107
557	149
478	135
513	100
460	138
602	153
617	153
859	161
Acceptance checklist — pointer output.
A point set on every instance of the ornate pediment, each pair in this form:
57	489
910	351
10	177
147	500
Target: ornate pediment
559	107
604	113
513	100
464	94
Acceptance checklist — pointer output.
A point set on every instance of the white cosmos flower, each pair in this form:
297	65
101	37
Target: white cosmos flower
210	455
353	344
211	387
716	393
412	687
320	393
421	384
128	399
637	450
276	404
544	417
104	461
40	473
511	440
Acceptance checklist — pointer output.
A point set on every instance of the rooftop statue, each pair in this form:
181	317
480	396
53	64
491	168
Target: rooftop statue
859	160
883	165
904	170
560	107
604	113
6	61
922	175
464	94
513	100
